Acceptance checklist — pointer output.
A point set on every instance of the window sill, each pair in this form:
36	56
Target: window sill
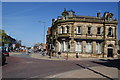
89	34
78	34
63	33
110	35
99	35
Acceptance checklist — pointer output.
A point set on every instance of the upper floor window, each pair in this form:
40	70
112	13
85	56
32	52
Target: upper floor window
60	29
110	32
63	29
79	29
67	27
99	30
89	30
64	17
110	19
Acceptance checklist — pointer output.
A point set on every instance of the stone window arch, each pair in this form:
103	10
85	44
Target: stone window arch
110	45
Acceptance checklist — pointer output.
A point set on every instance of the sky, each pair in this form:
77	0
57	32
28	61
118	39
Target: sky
24	20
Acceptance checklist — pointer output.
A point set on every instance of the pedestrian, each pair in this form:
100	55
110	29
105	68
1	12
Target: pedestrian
118	52
27	52
77	55
50	54
59	53
40	52
43	53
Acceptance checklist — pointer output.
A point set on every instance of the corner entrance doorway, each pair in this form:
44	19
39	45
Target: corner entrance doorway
110	53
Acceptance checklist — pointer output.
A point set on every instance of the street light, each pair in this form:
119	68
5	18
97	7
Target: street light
44	30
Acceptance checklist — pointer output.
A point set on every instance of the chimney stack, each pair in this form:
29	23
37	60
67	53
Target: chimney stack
98	14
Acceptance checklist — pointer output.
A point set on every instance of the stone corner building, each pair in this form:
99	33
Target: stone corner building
87	35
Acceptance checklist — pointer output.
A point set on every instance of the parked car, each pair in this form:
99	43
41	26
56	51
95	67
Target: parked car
3	58
118	54
6	53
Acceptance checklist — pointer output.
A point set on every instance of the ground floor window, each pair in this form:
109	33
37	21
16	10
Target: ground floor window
88	47
64	46
98	48
78	47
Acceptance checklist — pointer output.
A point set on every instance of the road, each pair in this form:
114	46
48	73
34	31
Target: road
25	67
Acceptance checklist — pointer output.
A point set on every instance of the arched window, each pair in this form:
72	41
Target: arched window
110	32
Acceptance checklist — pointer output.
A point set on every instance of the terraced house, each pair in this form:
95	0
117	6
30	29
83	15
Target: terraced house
87	35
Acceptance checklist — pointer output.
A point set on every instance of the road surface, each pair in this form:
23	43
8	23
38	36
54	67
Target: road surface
26	67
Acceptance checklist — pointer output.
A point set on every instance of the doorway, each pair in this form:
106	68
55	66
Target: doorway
110	53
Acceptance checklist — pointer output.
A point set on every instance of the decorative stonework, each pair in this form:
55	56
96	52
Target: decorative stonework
92	44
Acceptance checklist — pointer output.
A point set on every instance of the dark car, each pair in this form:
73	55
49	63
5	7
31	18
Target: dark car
2	58
6	53
118	54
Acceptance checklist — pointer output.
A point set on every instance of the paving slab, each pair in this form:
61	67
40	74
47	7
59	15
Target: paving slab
108	71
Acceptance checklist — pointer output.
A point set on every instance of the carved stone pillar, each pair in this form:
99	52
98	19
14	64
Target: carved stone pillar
72	45
83	46
94	47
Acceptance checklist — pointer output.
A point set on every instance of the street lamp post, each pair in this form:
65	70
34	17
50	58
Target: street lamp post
67	55
43	30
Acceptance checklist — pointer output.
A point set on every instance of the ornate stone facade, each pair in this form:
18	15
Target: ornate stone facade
89	36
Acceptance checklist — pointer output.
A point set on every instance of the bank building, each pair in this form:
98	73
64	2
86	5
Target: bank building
87	35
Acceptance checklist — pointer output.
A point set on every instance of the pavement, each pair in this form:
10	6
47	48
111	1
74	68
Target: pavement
39	56
35	55
86	72
91	72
